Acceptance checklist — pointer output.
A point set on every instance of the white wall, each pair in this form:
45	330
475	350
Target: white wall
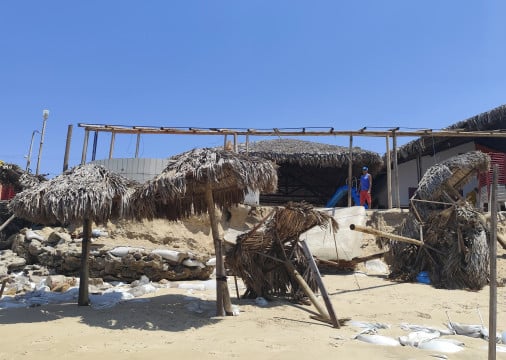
138	169
408	173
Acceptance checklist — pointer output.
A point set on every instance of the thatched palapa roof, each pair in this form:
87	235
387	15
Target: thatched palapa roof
179	191
494	119
85	192
312	154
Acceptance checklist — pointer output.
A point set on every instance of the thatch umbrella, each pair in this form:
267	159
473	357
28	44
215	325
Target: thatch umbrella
254	255
82	195
194	183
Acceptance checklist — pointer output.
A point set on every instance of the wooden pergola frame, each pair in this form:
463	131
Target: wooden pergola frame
393	133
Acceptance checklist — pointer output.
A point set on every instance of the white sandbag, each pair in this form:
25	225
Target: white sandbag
121	251
31	235
378	340
440	345
171	255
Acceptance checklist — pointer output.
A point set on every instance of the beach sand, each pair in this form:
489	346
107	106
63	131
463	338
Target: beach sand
180	323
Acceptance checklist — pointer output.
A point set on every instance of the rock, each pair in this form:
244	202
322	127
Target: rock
60	282
35	247
56	238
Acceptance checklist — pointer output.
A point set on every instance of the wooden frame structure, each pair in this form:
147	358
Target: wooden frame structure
393	133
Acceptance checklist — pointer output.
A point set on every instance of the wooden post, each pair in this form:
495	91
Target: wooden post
350	170
137	145
375	232
111	145
236	145
6	222
389	173
85	146
67	148
84	299
321	286
396	172
247	144
307	290
492	317
223	303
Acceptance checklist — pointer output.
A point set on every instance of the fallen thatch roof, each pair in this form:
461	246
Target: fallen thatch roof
452	173
494	119
252	257
312	154
456	246
180	190
85	192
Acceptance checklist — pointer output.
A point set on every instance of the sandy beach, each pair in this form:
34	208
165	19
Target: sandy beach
180	323
179	320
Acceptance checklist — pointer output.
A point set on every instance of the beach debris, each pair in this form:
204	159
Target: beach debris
455	251
441	345
416	337
378	339
429	329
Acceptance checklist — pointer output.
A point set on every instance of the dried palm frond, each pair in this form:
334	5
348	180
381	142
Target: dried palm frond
85	192
258	256
179	191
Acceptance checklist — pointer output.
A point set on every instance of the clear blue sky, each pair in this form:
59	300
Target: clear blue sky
255	64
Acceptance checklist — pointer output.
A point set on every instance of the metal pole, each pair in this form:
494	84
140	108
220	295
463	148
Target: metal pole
29	156
94	150
45	115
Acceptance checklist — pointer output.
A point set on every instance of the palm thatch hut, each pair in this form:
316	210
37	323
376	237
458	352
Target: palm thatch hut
13	175
259	255
457	239
194	183
82	195
311	171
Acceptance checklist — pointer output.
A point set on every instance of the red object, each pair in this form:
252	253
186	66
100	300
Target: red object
6	192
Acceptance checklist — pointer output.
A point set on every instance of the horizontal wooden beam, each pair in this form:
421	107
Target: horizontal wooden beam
120	129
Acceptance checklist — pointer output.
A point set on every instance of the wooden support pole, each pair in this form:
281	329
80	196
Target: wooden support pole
85	146
137	145
111	145
492	317
6	222
396	172
350	170
389	172
372	231
94	149
67	148
83	299
307	290
321	286
223	302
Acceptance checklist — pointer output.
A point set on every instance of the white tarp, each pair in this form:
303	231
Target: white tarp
345	244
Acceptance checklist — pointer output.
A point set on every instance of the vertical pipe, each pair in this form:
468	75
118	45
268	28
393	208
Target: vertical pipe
396	172
85	146
29	157
350	170
94	151
389	173
492	316
137	145
111	145
67	148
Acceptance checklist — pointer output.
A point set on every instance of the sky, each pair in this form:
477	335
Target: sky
240	64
